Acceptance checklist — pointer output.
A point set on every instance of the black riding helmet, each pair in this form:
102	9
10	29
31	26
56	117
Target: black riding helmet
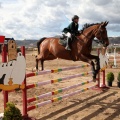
75	17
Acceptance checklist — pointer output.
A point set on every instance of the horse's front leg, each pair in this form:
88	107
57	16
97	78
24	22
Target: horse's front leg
88	60
97	61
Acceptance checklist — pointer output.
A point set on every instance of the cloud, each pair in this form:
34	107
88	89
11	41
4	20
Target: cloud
115	27
0	5
37	18
102	2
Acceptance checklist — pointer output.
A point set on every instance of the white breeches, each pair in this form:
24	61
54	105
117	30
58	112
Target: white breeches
68	35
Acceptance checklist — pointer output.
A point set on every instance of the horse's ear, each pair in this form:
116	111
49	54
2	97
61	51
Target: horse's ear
104	24
107	23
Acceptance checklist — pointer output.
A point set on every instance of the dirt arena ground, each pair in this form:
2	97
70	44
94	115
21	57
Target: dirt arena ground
89	105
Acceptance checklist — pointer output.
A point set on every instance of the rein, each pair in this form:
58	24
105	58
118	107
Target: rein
79	39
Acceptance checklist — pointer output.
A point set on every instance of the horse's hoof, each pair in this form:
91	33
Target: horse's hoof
94	79
34	69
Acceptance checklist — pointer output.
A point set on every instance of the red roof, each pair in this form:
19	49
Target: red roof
2	38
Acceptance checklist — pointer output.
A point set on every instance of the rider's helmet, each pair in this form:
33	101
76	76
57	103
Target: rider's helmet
75	17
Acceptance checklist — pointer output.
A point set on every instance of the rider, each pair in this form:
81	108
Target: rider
72	29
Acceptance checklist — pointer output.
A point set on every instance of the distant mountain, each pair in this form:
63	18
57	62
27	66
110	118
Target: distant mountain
114	40
33	43
27	43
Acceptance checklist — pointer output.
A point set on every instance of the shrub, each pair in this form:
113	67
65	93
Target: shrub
110	77
118	77
12	113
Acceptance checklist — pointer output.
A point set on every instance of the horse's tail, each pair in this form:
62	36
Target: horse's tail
39	42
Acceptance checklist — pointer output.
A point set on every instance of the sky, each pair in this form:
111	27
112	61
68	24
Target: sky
33	19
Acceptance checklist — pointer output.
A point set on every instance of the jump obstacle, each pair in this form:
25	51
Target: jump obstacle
27	100
114	57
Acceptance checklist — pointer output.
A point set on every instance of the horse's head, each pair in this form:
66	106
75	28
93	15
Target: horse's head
101	34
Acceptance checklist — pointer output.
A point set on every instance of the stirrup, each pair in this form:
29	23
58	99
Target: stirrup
67	48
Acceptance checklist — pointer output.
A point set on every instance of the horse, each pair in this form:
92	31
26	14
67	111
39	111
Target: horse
50	49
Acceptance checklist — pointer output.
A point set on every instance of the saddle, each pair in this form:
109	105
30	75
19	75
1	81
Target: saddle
63	40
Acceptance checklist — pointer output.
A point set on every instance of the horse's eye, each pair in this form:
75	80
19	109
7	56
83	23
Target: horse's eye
102	31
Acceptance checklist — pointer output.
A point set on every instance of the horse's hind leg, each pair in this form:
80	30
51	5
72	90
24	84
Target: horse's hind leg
42	64
40	58
37	63
49	57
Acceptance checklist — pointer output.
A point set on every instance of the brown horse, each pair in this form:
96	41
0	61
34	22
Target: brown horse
49	48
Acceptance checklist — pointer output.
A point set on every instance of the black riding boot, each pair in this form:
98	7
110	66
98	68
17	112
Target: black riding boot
68	44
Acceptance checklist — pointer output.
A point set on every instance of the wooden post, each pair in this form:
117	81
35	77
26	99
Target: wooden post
4	59
103	73
24	91
98	76
103	81
103	85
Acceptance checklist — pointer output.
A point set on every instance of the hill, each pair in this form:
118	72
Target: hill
32	43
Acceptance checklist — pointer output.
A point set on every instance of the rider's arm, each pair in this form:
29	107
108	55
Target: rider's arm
72	28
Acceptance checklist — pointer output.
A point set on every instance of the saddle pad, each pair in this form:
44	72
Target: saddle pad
63	42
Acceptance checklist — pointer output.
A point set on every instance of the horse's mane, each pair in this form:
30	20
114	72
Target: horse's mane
87	25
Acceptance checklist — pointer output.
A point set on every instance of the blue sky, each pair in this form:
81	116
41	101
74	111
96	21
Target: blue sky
33	19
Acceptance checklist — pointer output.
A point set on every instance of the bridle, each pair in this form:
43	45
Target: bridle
99	31
101	40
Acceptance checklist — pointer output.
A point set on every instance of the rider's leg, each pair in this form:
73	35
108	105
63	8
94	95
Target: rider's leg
68	41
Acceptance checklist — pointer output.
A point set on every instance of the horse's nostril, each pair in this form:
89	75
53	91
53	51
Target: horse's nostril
106	44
